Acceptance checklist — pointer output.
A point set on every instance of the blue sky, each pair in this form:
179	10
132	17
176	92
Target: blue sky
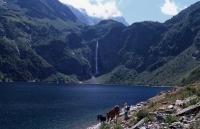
132	10
140	10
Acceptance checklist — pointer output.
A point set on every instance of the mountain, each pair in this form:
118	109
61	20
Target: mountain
159	54
28	26
42	9
89	20
83	17
44	40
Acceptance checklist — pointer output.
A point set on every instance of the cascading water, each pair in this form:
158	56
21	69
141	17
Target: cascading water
93	79
96	58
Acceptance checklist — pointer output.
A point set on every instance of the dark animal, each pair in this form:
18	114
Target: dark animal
113	113
101	118
128	108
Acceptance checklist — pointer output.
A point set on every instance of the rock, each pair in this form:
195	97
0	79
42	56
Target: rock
164	102
153	126
143	127
186	126
176	125
179	103
170	111
160	117
183	119
161	108
141	122
189	110
170	107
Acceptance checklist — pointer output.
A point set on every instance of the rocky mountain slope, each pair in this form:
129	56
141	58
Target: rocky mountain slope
157	53
175	109
43	40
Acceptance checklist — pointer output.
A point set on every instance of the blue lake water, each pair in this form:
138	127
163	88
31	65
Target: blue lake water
52	106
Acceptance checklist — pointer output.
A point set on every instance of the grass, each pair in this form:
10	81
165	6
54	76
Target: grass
178	70
198	125
105	126
108	126
170	119
180	94
142	114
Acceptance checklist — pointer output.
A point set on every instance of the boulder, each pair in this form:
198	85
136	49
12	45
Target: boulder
189	110
179	103
140	123
176	125
170	107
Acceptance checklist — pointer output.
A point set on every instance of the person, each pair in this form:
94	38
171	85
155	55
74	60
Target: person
126	110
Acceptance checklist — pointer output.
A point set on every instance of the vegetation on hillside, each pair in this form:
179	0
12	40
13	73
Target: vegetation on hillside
39	45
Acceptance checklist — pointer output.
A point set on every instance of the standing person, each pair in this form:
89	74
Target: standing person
126	109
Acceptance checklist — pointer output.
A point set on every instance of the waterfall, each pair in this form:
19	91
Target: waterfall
96	58
17	49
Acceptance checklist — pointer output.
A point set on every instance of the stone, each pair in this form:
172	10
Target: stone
160	117
164	103
140	123
176	125
179	103
143	127
170	107
183	119
161	108
186	126
153	126
189	110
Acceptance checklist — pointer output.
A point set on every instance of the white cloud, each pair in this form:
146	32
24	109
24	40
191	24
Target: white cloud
97	8
169	8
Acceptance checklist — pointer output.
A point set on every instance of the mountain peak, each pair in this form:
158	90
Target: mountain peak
44	9
90	20
190	14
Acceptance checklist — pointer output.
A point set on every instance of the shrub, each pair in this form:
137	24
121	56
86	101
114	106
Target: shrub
148	118
118	126
105	126
170	119
142	114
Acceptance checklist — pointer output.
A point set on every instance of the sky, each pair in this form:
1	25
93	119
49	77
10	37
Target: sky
131	10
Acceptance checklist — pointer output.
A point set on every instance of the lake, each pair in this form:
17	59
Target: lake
52	106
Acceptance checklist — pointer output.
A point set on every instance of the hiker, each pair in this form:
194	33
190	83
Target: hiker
126	110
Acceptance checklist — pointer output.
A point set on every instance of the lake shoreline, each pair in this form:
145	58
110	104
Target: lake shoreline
61	104
84	84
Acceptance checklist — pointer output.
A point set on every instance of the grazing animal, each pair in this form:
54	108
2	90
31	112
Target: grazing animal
101	118
113	113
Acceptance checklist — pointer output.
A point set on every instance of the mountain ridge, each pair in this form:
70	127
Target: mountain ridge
90	20
57	47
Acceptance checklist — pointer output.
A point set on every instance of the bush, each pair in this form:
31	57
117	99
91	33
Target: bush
105	126
194	101
170	119
142	114
148	119
118	126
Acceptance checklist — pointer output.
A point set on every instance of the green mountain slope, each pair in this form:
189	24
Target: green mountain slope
43	40
170	57
25	27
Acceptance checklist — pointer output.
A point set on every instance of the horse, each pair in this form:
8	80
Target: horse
101	118
113	113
